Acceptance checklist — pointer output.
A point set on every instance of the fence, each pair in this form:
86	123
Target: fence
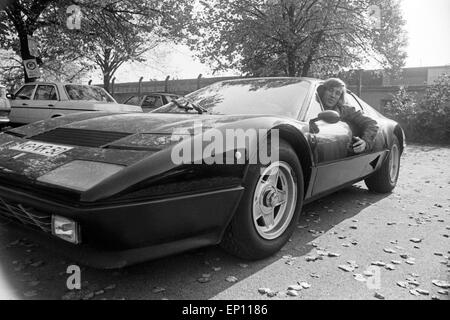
122	91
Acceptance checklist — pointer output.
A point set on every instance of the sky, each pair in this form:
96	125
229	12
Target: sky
427	25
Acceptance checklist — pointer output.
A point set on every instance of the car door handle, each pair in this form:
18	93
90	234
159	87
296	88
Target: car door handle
24	104
51	105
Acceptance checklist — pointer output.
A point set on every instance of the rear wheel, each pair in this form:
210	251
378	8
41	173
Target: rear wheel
269	209
385	179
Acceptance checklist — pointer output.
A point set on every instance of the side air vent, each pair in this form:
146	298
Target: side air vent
374	163
80	137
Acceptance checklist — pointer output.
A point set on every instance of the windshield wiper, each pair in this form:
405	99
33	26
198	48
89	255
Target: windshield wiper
189	105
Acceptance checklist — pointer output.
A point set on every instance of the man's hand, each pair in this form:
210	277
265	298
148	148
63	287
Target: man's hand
359	146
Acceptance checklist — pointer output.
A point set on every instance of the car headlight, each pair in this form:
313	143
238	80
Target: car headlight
80	175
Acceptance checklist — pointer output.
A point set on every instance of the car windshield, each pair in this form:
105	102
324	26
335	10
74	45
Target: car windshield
88	93
282	97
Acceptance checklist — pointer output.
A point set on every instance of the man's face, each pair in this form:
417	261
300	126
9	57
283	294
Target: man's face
332	96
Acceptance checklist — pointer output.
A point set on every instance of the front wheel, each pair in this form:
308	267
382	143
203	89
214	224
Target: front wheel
269	209
385	179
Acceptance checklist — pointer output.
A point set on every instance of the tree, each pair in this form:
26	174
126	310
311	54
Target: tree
115	32
297	37
433	114
112	32
426	118
21	18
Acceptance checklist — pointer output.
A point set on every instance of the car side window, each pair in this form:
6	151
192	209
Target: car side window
368	109
351	101
45	92
25	92
314	109
134	101
152	102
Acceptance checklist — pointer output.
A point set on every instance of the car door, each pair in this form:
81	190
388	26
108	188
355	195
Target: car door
21	104
335	170
368	161
329	145
44	102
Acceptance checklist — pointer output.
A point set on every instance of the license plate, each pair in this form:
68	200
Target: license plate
43	149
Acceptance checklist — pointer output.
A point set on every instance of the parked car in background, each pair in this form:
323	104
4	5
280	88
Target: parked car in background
150	102
44	100
5	107
109	190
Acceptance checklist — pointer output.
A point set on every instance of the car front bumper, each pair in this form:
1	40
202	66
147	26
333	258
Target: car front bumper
116	235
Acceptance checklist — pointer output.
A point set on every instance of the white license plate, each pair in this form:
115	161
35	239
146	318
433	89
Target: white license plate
43	149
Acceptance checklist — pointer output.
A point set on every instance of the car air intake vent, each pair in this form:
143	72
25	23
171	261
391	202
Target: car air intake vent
80	137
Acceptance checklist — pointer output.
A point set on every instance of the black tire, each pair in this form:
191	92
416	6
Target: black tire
382	181
241	237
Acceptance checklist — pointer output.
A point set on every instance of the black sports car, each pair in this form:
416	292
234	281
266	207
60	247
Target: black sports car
114	189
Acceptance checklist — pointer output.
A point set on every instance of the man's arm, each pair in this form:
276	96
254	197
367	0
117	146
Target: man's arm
367	125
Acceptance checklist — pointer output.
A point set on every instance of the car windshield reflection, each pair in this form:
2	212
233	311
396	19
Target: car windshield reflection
282	97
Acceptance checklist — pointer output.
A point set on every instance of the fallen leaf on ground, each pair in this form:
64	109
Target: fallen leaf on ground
295	287
158	290
292	293
441	284
305	285
203	280
30	294
414	292
333	255
423	292
390	267
346	268
379	296
264	290
360	277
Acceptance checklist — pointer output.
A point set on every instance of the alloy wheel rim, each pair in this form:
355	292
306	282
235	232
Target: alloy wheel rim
274	200
393	164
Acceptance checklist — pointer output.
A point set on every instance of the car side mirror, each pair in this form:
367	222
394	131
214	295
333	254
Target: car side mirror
10	96
328	116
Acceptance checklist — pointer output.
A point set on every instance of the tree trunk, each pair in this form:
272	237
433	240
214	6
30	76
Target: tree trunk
307	66
106	81
25	53
291	68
